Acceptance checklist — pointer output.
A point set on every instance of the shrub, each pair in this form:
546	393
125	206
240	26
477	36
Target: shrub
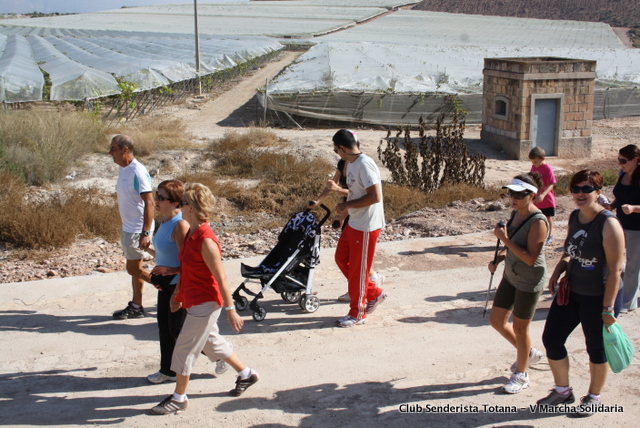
152	135
52	222
40	147
434	161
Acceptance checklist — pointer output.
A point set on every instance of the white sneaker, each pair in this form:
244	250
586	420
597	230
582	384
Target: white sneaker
517	383
379	281
535	356
160	378
221	367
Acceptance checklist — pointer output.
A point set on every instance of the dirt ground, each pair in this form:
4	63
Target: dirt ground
65	362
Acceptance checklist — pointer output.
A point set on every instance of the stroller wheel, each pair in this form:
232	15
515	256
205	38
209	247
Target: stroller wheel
291	296
241	303
310	303
259	316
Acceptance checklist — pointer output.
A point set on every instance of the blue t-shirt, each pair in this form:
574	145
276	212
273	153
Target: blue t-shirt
166	248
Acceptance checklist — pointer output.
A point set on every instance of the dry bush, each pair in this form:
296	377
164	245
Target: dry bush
42	146
434	161
399	200
152	135
238	154
57	221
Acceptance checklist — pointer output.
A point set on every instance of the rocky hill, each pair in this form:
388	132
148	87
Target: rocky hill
617	13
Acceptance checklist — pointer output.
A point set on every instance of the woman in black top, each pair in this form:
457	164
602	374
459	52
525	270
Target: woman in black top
627	206
592	261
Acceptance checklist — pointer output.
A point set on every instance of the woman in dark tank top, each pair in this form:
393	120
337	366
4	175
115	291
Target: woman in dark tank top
592	260
627	206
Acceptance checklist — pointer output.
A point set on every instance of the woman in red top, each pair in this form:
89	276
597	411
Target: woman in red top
202	291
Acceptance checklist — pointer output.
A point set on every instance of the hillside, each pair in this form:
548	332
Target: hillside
617	13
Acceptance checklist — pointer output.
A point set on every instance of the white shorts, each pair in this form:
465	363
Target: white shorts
131	245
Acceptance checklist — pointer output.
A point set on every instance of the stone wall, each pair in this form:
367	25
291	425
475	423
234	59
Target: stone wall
518	82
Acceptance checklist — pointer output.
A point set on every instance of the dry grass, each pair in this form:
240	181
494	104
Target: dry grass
57	221
285	181
400	200
152	135
40	147
245	154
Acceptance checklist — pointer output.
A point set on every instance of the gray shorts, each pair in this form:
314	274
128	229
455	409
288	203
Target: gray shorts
199	333
131	245
522	304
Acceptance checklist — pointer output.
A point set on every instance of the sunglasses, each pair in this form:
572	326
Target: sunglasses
519	195
623	161
183	203
583	189
161	198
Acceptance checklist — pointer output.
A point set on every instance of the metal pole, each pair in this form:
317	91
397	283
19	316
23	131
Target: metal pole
266	97
195	16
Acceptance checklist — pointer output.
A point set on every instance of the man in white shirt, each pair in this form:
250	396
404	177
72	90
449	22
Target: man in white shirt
357	244
136	205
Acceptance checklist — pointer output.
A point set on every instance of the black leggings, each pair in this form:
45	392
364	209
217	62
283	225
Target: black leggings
169	326
562	320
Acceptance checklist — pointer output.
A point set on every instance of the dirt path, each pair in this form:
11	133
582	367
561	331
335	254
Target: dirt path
211	118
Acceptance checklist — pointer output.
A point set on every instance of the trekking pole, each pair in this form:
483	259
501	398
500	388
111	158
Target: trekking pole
495	259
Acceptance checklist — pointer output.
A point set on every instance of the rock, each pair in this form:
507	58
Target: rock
51	273
495	206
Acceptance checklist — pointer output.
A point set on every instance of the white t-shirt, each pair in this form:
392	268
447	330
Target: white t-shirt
361	174
133	180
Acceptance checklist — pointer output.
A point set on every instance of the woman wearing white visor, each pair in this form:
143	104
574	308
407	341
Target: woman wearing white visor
524	275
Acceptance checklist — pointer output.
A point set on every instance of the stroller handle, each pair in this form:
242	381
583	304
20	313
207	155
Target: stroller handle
326	216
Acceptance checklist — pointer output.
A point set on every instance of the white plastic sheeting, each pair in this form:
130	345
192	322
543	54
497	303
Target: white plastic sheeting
20	77
269	10
71	80
183	24
396	68
84	63
445	30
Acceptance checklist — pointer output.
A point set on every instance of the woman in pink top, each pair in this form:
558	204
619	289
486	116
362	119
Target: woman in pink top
203	291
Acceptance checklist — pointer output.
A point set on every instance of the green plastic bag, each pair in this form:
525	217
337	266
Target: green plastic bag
617	347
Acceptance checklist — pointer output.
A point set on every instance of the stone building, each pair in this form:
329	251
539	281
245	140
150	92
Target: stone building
546	102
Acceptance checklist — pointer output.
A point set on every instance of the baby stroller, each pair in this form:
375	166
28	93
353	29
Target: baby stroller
288	268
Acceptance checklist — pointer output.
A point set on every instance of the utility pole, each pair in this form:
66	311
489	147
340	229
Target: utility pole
195	15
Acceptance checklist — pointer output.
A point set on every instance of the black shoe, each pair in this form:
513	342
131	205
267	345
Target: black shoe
243	384
169	406
129	312
555	398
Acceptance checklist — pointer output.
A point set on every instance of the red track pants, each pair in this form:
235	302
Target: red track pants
354	257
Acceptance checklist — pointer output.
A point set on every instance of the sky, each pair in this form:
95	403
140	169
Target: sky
82	6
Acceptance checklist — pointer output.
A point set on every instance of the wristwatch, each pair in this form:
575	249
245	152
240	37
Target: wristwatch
607	308
145	233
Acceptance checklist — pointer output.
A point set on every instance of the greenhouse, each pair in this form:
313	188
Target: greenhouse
390	70
373	73
90	64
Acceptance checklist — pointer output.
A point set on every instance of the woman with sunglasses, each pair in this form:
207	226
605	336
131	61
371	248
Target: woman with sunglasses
524	275
204	292
592	261
627	206
167	242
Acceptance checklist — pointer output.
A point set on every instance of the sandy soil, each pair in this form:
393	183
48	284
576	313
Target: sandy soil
66	362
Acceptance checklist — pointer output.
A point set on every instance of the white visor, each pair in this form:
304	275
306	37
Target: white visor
520	186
